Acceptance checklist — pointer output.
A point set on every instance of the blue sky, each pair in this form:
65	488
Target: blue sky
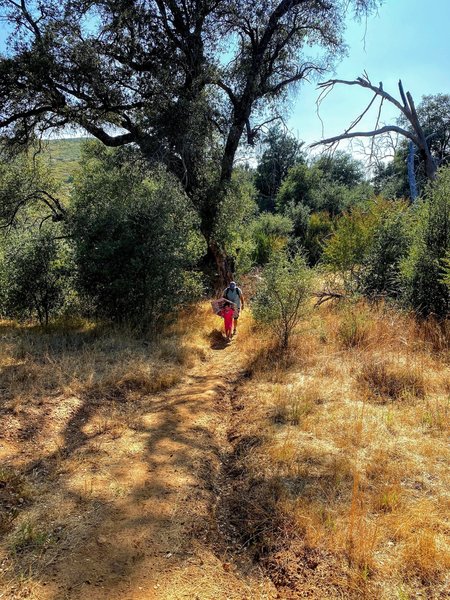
407	40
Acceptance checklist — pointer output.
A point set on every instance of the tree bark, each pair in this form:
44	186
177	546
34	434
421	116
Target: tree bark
411	173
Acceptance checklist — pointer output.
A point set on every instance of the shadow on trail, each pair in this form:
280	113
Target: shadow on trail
217	340
109	542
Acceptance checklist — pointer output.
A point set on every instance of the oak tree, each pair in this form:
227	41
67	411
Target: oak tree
183	80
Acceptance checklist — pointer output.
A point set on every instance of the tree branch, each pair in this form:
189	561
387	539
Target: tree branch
365	83
354	134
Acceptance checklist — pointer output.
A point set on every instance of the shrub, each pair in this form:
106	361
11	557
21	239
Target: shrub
36	267
232	228
353	329
136	239
381	266
270	233
367	246
320	227
446	270
386	380
281	298
422	270
345	250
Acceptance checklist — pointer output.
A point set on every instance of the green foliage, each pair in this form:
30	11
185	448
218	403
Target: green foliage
299	214
28	192
271	234
136	237
282	151
63	157
330	184
423	269
158	79
391	179
433	113
345	250
282	296
300	187
381	268
446	270
35	270
232	224
320	227
341	168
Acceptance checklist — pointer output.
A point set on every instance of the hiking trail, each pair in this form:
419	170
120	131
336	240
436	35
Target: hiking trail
158	536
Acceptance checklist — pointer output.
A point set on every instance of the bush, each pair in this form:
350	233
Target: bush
423	269
381	266
35	272
281	298
367	246
320	227
136	238
270	234
344	252
446	270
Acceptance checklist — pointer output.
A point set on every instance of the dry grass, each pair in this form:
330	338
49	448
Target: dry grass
68	393
340	454
353	426
390	381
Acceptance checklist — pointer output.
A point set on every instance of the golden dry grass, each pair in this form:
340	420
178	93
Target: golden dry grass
353	427
67	393
340	458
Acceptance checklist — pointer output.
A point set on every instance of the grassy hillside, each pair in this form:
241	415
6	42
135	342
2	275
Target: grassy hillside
346	438
64	156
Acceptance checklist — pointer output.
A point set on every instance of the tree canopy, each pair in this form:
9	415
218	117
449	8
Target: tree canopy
281	152
181	80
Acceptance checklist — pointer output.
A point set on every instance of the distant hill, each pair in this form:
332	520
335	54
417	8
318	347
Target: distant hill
64	156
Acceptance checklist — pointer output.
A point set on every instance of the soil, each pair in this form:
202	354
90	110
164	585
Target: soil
128	496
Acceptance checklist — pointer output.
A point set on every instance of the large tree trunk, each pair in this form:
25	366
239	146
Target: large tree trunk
224	265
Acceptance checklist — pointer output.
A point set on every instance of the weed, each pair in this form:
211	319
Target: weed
402	594
353	330
29	537
388	498
361	534
293	403
435	415
388	381
423	558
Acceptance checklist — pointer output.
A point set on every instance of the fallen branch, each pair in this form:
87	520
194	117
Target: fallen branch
326	295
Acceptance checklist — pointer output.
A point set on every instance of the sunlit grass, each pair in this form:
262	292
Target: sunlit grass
354	425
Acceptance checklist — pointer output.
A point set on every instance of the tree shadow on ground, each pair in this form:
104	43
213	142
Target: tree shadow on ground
217	340
107	539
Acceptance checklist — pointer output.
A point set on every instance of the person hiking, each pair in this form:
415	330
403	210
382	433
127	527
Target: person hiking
227	312
234	294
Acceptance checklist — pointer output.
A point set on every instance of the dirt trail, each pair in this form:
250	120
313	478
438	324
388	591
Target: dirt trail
149	529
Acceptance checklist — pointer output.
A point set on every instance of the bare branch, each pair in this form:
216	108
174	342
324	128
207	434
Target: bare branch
229	91
365	83
354	134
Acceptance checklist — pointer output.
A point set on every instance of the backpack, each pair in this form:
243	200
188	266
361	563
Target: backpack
229	290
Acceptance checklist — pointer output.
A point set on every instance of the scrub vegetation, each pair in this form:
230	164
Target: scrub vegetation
142	454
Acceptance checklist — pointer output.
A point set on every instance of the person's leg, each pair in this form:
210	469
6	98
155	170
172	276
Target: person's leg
235	320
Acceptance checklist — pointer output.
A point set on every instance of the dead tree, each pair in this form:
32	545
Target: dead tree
416	136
